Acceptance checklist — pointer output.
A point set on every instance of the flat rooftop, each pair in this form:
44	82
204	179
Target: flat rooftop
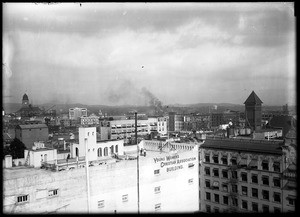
247	145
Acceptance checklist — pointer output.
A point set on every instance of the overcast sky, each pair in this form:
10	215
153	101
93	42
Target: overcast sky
180	52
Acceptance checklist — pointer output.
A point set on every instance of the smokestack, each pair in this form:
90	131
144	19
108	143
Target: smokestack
135	130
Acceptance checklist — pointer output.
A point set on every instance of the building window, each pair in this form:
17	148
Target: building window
265	194
208	209
105	151
157	190
265	208
244	204
156	172
157	207
53	192
265	180
22	198
125	197
265	165
225	200
116	149
216	172
99	152
255	207
244	190
225	187
255	192
254	178
234	188
100	203
207	171
207	196
276	182
216	159
207	183
225	174
217	198
224	160
234	174
277	210
216	210
276	167
291	201
244	177
277	197
207	158
233	161
235	202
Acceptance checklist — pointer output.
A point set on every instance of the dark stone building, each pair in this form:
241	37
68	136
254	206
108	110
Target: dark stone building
253	111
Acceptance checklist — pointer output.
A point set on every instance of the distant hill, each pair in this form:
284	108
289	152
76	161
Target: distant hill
123	109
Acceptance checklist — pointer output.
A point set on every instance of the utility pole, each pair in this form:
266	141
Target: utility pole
87	175
137	160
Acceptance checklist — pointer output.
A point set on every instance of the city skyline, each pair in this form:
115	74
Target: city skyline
119	53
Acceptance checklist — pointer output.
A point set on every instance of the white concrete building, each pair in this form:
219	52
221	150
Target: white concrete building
165	179
75	113
90	120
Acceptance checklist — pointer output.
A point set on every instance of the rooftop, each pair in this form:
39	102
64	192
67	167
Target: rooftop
31	126
249	145
253	99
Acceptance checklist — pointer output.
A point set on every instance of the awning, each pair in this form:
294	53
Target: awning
290	185
253	163
293	197
243	162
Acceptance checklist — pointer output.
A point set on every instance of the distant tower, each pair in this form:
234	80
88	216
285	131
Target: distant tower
253	111
25	100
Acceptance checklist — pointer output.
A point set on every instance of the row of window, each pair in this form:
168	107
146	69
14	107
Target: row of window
101	203
99	151
243	176
254	194
254	208
25	198
224	160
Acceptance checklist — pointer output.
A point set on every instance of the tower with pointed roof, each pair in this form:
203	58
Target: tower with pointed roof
253	111
25	101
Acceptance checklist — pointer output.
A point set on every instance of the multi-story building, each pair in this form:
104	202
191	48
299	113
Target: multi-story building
245	176
76	113
28	110
253	111
176	122
196	122
217	119
166	180
90	120
125	128
30	133
162	127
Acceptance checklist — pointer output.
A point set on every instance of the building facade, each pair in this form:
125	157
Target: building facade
30	133
244	176
253	112
76	113
90	120
166	181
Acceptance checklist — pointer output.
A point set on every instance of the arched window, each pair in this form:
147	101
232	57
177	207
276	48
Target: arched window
105	151
111	149
77	152
99	152
116	148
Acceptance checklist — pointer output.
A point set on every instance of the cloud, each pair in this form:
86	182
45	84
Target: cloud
94	54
